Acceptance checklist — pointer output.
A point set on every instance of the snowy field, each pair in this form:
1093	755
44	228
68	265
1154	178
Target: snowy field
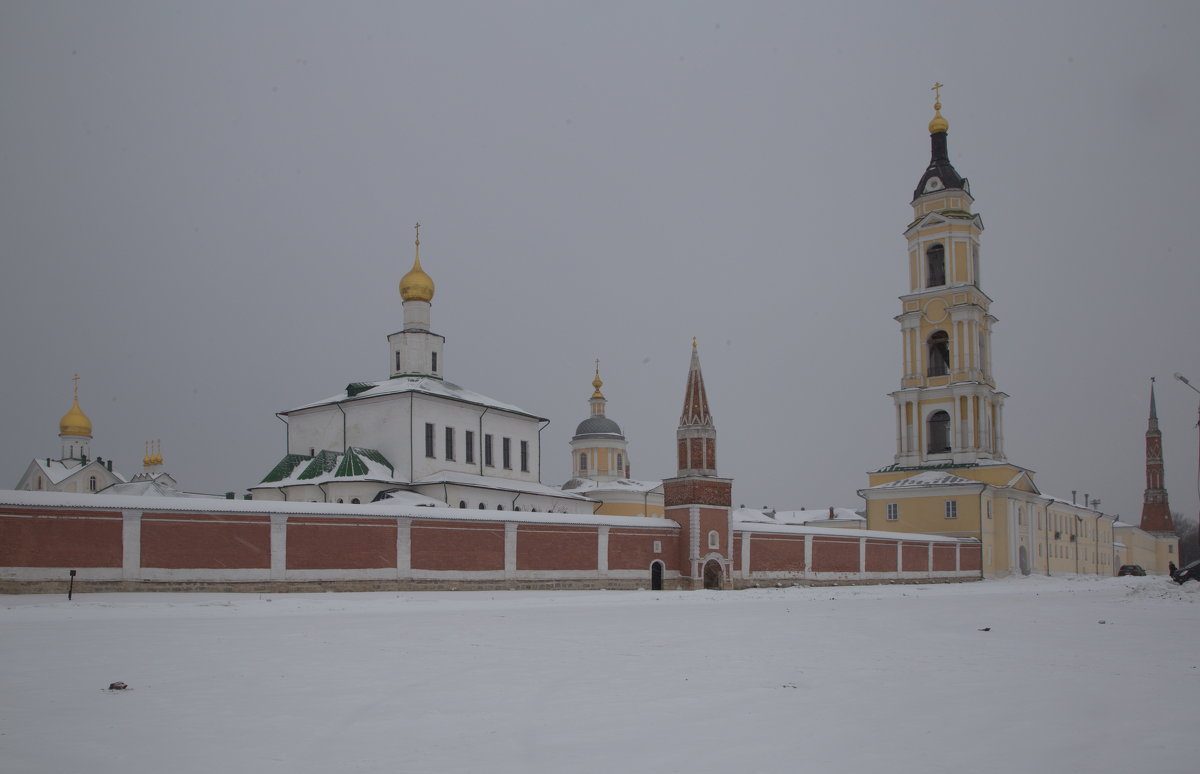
1075	675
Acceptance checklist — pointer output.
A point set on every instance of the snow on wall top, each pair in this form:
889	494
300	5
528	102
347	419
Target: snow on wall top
380	509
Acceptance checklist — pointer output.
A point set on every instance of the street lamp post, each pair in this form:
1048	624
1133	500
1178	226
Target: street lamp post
1184	379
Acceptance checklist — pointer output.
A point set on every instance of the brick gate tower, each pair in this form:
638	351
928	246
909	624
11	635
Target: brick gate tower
697	499
1156	511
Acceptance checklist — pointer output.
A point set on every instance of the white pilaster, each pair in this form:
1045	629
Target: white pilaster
278	546
602	551
510	548
403	548
131	544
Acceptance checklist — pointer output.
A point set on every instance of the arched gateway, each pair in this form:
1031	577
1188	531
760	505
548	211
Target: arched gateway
714	576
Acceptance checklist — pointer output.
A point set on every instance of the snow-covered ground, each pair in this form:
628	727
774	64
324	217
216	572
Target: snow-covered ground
1075	675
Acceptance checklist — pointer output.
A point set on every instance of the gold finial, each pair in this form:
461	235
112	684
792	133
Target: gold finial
938	124
146	456
417	285
693	342
597	383
75	379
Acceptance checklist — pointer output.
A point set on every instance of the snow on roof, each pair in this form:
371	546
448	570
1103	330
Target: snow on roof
383	509
420	384
493	482
926	478
405	497
802	516
148	488
57	471
623	484
368	465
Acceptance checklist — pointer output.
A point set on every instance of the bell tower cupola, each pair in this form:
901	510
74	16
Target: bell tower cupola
416	351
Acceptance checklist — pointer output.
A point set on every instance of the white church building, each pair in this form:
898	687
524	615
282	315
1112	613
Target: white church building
415	436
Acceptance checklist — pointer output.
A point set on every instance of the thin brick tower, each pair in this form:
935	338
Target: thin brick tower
1156	511
697	499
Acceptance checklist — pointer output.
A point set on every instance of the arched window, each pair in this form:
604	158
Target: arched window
462	503
92	483
935	266
354	500
499	507
714	539
583	462
939	354
339	499
482	507
939	432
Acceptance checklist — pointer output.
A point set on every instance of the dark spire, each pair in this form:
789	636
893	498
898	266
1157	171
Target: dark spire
1156	510
696	437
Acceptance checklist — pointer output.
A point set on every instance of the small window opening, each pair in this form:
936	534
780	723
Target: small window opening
939	354
434	360
935	261
939	432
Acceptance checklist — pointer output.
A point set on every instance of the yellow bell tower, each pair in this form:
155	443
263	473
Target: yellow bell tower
948	410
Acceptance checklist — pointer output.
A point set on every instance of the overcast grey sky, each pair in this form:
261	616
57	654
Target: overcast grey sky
205	209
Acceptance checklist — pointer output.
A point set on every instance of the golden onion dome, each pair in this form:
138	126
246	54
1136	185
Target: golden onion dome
597	383
417	285
938	124
75	422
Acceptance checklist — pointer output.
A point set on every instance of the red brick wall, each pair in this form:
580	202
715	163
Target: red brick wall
205	541
881	556
943	557
834	554
546	547
343	544
697	491
969	558
60	538
630	549
453	545
777	553
916	557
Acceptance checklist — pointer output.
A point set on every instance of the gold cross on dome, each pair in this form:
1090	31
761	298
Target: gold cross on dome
75	379
418	228
937	91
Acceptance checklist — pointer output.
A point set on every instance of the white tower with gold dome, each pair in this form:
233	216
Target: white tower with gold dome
415	350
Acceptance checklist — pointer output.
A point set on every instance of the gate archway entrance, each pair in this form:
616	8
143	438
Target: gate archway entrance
656	573
714	577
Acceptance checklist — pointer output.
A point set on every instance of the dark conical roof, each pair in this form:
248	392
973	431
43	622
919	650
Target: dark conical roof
940	168
598	426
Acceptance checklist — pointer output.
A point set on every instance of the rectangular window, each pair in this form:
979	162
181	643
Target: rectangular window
524	456
469	447
951	509
450	443
658	546
893	511
434	361
620	464
428	439
397	361
487	450
506	451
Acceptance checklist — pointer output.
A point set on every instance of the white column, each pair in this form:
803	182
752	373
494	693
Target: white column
862	554
278	546
602	551
403	548
745	562
131	544
808	556
510	549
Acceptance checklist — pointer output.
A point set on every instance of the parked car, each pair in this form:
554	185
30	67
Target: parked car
1131	569
1187	572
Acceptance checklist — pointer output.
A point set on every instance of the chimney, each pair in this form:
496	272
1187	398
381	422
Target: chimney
831	511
